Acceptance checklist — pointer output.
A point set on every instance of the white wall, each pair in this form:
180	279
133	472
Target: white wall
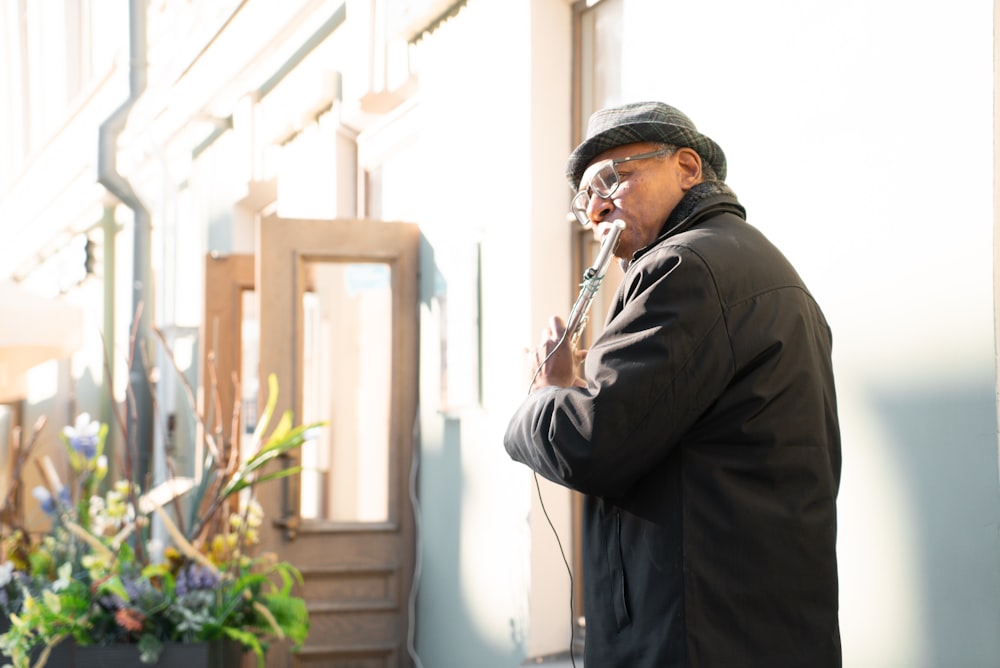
859	136
494	99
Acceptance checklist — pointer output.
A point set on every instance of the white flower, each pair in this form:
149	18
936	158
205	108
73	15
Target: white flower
155	548
83	427
65	572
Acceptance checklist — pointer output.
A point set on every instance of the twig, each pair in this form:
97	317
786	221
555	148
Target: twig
109	379
189	392
9	510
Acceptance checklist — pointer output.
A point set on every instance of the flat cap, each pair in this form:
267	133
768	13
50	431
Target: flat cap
641	122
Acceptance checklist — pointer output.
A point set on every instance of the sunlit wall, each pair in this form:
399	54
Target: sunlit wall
492	116
859	136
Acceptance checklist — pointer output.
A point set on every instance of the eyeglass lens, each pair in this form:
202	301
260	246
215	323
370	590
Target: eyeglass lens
603	184
605	181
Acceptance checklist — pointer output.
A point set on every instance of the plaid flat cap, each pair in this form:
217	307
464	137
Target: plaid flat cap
641	122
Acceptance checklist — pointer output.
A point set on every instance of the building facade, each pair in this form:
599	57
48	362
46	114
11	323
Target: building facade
366	199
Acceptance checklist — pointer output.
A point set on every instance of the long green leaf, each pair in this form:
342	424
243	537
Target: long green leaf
246	482
265	416
248	640
209	473
243	476
280	430
291	440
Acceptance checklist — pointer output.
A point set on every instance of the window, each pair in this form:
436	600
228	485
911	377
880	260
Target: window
53	55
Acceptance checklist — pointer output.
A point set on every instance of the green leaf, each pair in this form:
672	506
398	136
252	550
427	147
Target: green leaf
280	431
265	416
113	585
150	648
243	483
243	476
198	494
291	614
247	639
101	436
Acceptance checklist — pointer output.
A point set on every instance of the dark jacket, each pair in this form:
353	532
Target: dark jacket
707	446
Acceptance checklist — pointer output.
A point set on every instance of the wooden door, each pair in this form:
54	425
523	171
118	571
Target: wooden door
229	304
338	326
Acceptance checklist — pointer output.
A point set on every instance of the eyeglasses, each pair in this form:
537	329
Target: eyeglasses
605	182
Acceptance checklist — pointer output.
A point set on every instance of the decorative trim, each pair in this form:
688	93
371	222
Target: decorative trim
427	16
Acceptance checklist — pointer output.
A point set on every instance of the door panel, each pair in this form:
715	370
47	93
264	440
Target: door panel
338	326
228	340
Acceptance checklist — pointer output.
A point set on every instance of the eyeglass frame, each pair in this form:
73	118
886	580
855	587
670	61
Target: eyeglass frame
579	206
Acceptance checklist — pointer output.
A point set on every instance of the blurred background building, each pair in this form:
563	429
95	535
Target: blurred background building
365	198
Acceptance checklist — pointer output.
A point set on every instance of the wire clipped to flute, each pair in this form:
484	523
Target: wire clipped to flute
592	278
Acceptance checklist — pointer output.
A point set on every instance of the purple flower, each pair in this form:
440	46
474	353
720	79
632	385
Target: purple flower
83	435
194	577
46	500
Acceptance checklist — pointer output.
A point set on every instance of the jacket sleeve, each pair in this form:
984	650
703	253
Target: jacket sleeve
662	359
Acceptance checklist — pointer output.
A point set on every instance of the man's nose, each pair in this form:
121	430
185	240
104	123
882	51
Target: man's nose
598	208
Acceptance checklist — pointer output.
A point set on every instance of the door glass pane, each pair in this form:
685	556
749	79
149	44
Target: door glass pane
347	360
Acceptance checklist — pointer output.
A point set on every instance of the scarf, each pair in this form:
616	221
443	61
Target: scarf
692	198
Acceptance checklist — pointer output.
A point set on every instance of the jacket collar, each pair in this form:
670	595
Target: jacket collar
706	199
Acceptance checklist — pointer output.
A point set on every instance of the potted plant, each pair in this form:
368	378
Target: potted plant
99	581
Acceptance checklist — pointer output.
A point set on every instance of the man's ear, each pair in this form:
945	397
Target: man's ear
689	166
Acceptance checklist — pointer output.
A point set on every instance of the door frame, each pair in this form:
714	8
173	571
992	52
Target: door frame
388	555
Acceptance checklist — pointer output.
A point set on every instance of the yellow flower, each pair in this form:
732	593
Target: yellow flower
255	514
101	467
95	565
218	549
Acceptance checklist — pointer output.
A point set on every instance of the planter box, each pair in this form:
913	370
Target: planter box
217	654
67	654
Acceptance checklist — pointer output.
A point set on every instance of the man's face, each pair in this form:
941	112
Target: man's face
647	192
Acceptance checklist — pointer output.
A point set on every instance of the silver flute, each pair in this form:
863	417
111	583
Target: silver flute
592	278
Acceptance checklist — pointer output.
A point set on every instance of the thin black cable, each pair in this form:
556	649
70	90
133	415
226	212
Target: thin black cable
569	571
545	512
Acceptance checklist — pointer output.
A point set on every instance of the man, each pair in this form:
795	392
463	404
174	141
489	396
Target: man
703	433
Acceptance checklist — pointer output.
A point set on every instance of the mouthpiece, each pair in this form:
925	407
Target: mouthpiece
608	246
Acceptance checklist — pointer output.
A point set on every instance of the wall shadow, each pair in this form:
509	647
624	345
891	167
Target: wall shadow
944	442
446	636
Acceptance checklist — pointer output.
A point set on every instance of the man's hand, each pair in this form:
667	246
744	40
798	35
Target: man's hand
559	369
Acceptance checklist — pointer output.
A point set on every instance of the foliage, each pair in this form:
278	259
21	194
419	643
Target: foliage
100	578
